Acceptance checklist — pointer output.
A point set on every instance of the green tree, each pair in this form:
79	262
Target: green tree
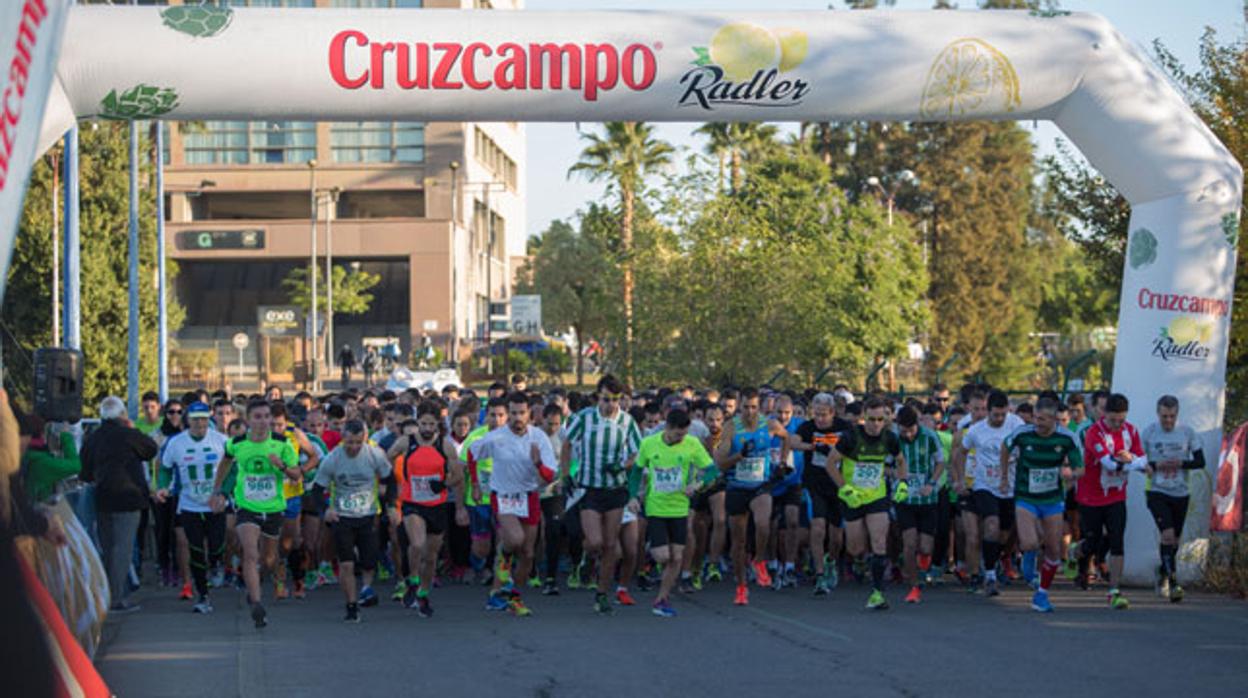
351	289
623	156
104	217
733	142
574	274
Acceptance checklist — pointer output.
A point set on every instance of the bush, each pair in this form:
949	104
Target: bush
520	361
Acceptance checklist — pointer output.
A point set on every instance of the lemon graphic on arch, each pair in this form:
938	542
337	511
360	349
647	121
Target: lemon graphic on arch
793	47
741	49
1184	329
969	77
1206	332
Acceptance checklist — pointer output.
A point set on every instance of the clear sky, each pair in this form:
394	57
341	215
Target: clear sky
1178	23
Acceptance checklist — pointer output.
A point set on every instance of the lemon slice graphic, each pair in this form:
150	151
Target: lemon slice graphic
1206	332
741	49
1184	329
793	47
969	77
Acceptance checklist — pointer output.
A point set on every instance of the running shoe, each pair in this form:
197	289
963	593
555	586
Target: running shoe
623	598
550	587
602	604
203	606
368	597
535	582
517	607
279	590
761	575
186	594
217	579
1117	601
1011	574
833	578
423	608
1072	560
821	587
325	575
258	615
915	595
502	568
790	577
743	596
1083	582
876	601
990	588
974	584
712	573
1176	593
933	576
686	585
697	582
385	571
410	598
574	579
1040	602
300	589
353	614
496	602
400	590
663	609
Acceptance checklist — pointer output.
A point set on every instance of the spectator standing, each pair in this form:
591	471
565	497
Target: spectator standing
114	458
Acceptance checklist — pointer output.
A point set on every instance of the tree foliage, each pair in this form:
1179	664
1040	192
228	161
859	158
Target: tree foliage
351	289
104	221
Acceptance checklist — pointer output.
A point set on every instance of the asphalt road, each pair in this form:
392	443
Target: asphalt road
785	644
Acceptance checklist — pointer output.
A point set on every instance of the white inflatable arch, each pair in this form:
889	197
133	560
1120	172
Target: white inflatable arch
432	65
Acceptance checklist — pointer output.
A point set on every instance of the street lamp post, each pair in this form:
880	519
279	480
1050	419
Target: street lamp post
132	364
890	194
487	187
331	206
312	272
162	307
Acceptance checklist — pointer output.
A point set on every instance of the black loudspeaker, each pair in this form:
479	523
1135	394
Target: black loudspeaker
58	384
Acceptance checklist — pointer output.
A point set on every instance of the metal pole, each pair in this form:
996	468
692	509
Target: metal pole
489	282
73	258
312	272
330	357
56	253
132	317
162	280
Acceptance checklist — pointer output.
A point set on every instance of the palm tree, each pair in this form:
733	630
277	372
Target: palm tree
737	141
624	156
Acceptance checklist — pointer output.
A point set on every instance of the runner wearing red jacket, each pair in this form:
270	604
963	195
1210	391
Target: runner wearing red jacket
1111	449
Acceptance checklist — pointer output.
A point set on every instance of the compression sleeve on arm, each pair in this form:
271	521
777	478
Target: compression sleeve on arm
1197	462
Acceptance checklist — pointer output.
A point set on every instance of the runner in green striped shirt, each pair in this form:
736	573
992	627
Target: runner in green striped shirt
916	516
604	440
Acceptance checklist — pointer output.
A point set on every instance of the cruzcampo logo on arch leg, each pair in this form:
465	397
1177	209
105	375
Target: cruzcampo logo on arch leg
1143	248
139	102
200	21
969	77
1230	228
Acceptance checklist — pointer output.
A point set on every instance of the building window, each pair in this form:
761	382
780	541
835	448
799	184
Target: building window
376	3
482	217
377	141
489	154
250	142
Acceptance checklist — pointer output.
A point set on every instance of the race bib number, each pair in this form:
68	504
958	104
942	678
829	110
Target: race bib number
1113	481
200	490
259	488
513	504
992	473
751	469
422	488
1169	481
867	475
667	480
358	504
819	460
1042	480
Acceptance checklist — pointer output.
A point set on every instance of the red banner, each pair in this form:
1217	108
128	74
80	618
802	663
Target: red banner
1226	512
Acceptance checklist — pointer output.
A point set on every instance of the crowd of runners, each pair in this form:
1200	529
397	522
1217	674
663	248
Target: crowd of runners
667	492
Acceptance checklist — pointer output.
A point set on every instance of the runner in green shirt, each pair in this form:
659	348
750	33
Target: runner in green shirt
1047	457
669	462
261	462
916	515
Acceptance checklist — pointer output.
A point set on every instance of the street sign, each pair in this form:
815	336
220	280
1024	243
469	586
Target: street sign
241	340
278	321
526	315
252	239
